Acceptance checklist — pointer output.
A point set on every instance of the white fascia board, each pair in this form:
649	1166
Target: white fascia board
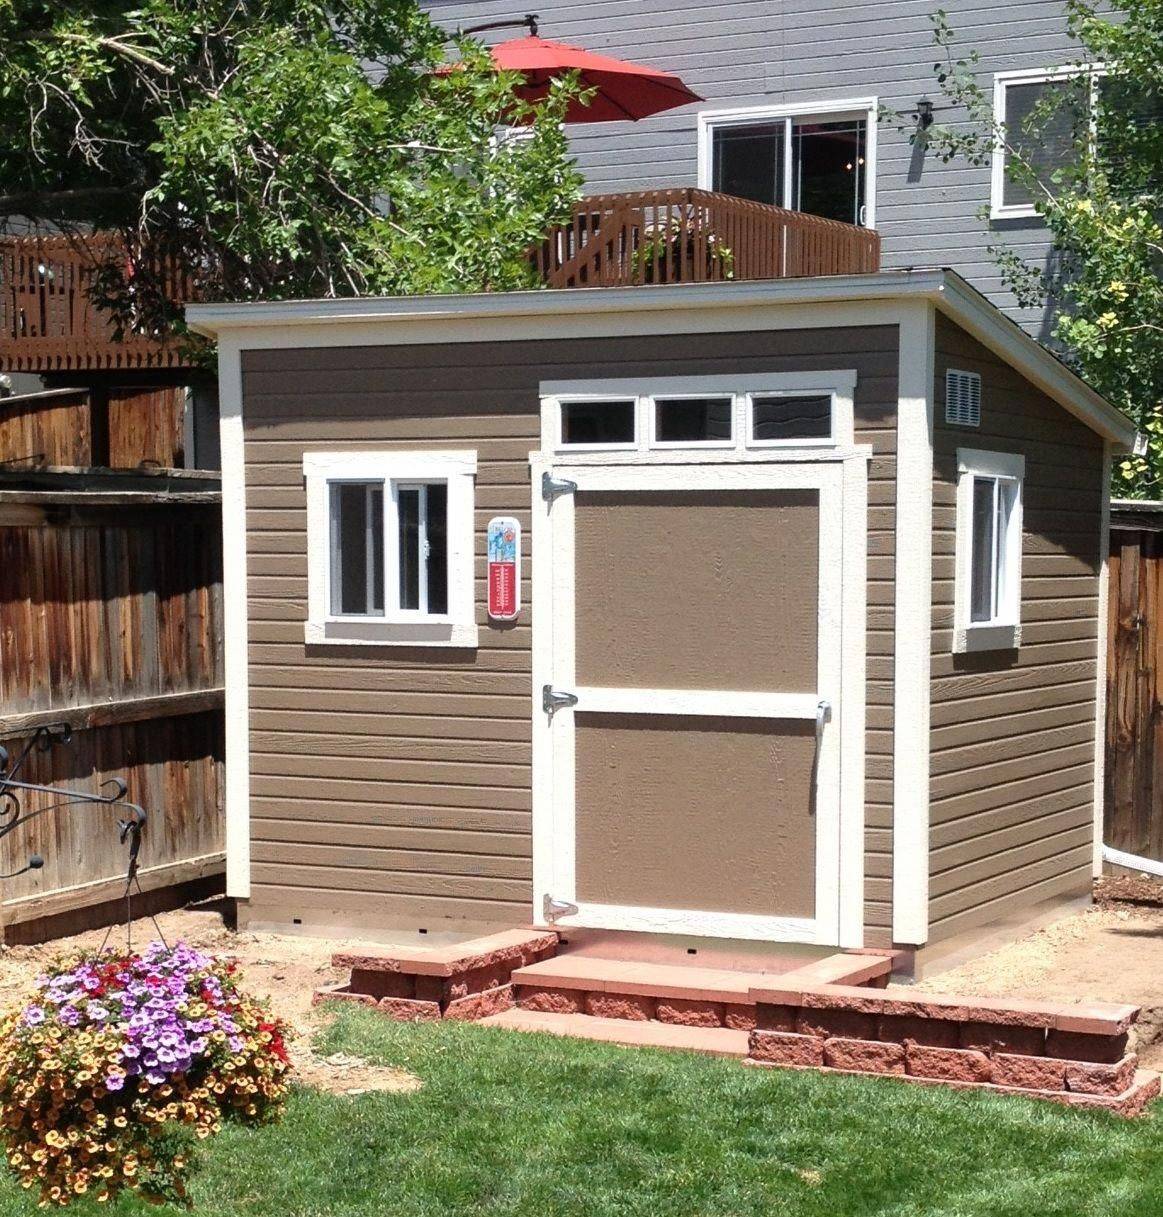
212	319
993	329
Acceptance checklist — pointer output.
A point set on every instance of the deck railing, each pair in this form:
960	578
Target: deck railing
697	236
48	321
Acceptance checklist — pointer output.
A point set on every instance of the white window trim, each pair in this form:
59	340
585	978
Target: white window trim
998	208
396	627
830	110
840	384
969	636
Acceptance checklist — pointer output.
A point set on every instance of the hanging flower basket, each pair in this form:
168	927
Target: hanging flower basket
114	1064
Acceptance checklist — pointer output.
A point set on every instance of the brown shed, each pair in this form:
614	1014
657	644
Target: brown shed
796	596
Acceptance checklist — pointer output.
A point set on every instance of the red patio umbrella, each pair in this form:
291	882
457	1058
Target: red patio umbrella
623	90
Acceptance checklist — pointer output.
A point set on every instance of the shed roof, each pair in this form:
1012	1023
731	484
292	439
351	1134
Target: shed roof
675	308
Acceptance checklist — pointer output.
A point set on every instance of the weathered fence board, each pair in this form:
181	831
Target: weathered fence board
1133	811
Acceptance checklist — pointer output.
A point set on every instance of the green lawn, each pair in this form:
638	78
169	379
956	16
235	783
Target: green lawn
532	1125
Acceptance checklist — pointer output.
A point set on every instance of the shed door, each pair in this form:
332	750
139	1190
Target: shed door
693	713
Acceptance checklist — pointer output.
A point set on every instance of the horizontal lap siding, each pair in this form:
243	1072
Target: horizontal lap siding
392	786
1013	733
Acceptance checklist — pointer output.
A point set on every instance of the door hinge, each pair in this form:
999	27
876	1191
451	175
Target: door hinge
553	909
556	699
551	487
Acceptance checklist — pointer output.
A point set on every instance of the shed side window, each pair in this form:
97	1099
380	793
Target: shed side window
989	551
390	545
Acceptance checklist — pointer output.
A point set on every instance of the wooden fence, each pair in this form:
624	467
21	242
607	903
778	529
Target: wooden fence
1133	804
697	236
110	622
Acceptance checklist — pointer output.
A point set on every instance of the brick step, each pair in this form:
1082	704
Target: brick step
716	1041
673	993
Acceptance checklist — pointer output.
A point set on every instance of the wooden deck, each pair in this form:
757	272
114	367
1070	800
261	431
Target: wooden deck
48	322
697	236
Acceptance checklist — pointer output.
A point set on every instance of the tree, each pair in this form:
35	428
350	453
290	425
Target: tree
1103	208
280	148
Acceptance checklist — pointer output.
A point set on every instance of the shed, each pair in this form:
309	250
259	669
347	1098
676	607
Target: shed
801	627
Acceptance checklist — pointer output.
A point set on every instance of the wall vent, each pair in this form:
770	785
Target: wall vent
962	398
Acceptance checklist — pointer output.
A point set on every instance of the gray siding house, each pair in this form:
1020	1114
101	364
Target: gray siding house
792	90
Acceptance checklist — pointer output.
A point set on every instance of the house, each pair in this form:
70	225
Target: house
798	585
792	93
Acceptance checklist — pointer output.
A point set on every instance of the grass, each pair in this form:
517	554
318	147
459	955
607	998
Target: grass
533	1126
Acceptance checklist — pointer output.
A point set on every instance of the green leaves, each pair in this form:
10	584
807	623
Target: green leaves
1102	209
285	148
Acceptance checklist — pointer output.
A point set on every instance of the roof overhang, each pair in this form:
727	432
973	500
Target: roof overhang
642	311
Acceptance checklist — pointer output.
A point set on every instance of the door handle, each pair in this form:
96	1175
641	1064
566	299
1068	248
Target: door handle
823	716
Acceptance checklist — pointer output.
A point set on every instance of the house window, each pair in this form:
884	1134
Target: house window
390	548
1044	115
817	163
989	551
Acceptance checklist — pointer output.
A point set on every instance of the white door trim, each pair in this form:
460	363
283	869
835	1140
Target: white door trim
840	845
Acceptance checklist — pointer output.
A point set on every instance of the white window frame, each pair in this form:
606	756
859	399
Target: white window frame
1004	631
396	626
866	108
998	208
839	384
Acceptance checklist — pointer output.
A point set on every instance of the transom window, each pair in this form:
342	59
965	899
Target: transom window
989	550
820	163
390	547
628	418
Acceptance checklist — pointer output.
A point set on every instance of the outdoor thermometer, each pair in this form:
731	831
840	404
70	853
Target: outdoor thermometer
504	550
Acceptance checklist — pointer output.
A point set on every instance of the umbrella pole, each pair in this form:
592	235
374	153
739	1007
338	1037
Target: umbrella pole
530	20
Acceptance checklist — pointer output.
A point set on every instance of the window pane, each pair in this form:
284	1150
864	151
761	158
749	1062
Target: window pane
357	548
408	509
808	417
437	518
1044	121
597	422
828	169
981	587
748	162
692	420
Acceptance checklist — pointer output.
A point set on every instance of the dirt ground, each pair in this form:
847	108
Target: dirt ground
1112	951
1109	952
287	970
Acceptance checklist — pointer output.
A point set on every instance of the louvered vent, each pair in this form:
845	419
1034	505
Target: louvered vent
962	398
